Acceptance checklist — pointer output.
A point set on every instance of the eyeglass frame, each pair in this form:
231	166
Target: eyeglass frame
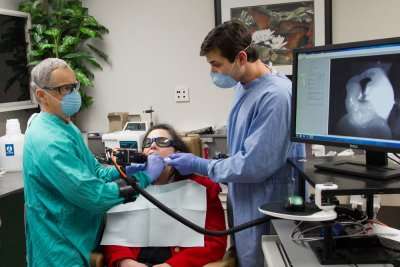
72	87
152	140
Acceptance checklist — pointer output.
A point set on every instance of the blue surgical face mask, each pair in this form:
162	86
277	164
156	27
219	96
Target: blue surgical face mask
223	80
71	103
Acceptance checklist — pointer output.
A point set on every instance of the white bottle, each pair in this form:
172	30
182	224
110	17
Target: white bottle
11	147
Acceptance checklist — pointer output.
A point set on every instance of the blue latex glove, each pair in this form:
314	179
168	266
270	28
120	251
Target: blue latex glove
134	168
187	163
153	168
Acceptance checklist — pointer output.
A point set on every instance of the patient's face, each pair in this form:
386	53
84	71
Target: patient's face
154	148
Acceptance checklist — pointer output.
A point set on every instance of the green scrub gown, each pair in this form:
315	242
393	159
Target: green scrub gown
67	192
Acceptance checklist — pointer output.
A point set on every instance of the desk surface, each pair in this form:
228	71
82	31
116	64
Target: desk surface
301	255
348	185
11	182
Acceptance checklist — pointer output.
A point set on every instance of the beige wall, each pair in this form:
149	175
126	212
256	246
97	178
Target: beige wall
154	47
357	20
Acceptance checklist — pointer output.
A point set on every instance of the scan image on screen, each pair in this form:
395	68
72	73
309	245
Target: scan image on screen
364	97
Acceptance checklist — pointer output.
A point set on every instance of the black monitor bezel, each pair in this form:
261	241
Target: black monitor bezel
296	52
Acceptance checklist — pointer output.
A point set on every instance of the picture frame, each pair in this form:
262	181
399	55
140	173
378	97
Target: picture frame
279	26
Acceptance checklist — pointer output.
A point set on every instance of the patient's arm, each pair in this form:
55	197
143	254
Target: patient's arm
130	263
115	254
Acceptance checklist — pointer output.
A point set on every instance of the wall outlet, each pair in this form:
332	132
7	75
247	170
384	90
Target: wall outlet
182	94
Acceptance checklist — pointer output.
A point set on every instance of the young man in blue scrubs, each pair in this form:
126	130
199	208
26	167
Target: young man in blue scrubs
258	134
66	190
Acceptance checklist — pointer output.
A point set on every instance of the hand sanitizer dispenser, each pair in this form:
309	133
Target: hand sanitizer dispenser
11	147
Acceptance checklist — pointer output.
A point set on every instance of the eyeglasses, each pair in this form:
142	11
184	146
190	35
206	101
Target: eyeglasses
65	88
160	141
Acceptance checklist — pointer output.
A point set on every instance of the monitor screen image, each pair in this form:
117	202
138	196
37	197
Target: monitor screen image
348	95
363	95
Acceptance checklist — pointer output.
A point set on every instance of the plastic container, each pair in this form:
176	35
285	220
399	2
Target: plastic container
11	147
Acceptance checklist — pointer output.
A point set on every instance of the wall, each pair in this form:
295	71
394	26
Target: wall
22	115
154	47
357	20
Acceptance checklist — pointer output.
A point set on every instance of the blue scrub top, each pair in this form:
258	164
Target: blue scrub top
257	171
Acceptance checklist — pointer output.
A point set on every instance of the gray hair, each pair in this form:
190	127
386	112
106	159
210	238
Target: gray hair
41	73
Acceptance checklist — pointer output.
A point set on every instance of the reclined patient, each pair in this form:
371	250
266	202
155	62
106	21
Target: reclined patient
163	140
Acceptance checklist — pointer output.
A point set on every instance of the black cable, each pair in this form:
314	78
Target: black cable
396	155
178	217
190	224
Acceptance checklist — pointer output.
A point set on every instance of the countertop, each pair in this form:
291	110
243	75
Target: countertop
11	182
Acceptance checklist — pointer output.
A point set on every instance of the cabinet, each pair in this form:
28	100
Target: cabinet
12	229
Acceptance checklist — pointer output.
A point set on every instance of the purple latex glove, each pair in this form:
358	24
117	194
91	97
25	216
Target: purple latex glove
187	163
153	168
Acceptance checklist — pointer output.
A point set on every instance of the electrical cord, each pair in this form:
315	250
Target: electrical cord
344	223
296	233
183	220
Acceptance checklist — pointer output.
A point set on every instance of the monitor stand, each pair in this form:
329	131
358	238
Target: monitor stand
376	167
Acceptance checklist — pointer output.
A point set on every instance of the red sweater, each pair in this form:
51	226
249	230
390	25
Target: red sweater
214	247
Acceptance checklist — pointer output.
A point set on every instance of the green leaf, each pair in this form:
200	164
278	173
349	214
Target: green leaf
82	78
67	43
70	40
86	100
88	32
99	53
94	63
84	69
36	53
44	46
36	37
90	21
54	32
78	55
39	28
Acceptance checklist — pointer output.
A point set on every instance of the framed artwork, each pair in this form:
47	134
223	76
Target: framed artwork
279	26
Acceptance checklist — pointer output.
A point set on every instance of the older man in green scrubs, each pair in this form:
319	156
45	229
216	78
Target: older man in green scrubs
67	191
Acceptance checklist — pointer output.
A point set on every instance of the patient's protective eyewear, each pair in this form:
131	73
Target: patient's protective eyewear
160	142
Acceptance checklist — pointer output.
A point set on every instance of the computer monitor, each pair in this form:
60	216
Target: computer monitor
349	95
14	47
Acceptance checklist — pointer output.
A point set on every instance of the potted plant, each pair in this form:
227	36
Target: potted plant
64	29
